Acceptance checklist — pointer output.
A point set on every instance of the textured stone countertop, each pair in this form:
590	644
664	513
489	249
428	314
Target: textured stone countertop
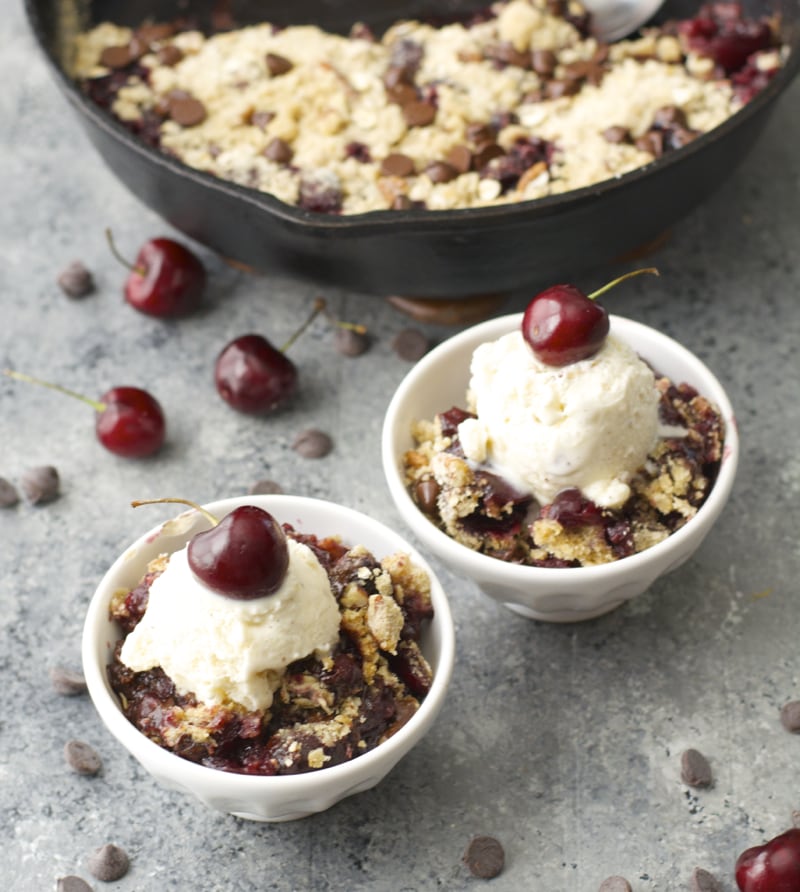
563	741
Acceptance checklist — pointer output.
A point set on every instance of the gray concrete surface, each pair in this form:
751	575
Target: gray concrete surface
562	741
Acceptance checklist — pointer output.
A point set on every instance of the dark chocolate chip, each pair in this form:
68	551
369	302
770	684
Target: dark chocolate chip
669	116
278	65
260	119
75	280
544	62
427	493
410	344
487	153
480	134
557	89
186	110
703	881
312	443
484	857
615	884
402	94
169	55
441	172
695	769
790	716
67	682
460	158
116	56
8	494
617	134
397	165
279	151
419	113
349	342
652	142
265	488
402	203
82	758
109	863
154	33
72	884
40	484
395	76
507	54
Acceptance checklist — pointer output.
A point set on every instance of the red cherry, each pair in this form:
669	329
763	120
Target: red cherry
243	556
563	325
130	422
167	279
772	867
253	376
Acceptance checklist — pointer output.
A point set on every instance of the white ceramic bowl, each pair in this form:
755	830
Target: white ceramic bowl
280	798
439	381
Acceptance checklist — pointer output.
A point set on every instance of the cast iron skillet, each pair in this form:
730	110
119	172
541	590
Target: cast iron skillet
442	254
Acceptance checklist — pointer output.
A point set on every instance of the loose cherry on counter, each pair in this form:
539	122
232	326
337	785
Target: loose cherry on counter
772	867
129	421
563	325
255	377
243	556
166	279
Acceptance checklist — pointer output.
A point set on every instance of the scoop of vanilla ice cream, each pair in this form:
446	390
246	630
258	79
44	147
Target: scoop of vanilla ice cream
588	425
223	649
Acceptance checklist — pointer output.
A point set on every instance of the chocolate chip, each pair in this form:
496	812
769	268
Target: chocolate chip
116	56
617	134
703	881
72	884
402	94
441	172
695	769
544	62
427	493
790	716
460	158
397	165
40	484
410	344
480	134
419	113
487	153
615	884
312	443
109	863
278	65
75	280
484	857
350	342
185	109
279	151
402	203
82	758
507	54
668	117
557	89
8	494
155	33
67	682
651	142
169	55
265	487
395	76
259	119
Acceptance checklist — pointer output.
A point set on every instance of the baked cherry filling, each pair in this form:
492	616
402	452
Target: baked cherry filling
325	711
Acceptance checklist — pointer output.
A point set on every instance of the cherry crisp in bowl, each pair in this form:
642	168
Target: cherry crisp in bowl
335	721
561	558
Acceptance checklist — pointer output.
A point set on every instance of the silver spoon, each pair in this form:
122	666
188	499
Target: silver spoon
614	19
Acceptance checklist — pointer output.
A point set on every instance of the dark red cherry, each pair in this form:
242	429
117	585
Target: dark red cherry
167	279
253	376
563	325
130	422
244	556
772	867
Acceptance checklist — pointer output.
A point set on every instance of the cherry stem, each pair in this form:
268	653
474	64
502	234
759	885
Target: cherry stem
357	327
630	275
21	376
139	270
207	514
319	306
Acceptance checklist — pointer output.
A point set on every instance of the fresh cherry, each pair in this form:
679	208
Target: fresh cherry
243	556
773	867
129	421
167	279
253	376
563	325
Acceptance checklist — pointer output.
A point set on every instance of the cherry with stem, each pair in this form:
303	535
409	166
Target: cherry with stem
129	421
